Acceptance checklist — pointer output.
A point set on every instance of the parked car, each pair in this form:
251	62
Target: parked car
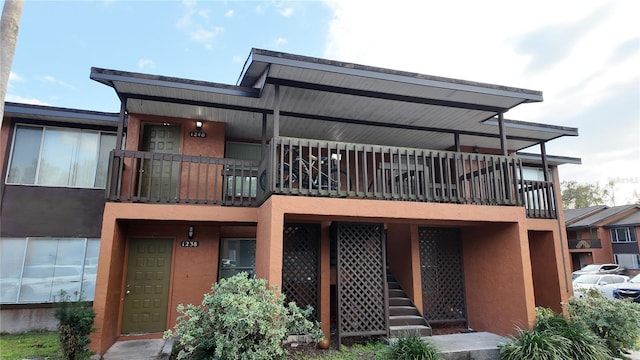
605	283
629	290
599	269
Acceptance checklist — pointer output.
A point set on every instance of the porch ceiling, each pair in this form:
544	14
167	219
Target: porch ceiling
323	99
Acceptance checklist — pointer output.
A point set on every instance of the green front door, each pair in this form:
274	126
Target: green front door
160	174
147	288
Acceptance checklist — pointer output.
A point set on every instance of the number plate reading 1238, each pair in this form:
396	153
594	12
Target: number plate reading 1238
189	244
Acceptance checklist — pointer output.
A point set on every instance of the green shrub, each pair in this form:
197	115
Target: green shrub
535	345
240	318
615	321
75	326
555	337
583	343
411	347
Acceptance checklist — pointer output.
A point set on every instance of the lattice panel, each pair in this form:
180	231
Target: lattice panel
361	280
443	295
300	264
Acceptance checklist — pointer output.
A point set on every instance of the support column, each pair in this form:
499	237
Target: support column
120	133
456	139
545	165
264	135
269	238
324	310
276	110
503	135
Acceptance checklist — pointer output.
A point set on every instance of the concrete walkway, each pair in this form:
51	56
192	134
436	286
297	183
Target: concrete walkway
150	349
477	346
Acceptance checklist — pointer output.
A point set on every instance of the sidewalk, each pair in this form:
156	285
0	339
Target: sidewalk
149	349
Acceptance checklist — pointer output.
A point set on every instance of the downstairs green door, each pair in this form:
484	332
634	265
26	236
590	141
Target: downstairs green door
147	288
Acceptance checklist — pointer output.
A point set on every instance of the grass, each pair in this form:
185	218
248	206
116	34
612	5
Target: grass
33	345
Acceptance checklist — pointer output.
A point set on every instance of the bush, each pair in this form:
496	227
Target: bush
411	347
615	321
240	318
554	337
75	326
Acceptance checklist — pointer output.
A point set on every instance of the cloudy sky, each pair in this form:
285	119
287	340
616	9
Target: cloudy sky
584	55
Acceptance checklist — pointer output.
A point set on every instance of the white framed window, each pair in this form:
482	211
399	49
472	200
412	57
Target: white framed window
56	156
34	270
622	234
628	261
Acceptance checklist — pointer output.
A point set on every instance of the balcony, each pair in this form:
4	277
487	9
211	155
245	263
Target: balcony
295	166
584	244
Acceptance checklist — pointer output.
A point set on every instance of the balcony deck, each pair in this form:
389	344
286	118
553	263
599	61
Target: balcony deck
294	166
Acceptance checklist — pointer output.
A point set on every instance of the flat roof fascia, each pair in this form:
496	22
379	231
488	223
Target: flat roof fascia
525	125
552	159
318	64
58	114
109	77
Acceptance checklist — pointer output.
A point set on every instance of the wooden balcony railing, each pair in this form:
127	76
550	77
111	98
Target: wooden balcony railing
293	166
585	244
336	169
140	176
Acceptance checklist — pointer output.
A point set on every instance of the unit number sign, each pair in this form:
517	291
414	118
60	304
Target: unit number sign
189	244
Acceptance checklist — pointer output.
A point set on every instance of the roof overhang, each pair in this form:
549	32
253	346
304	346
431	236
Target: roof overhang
553	160
345	102
58	114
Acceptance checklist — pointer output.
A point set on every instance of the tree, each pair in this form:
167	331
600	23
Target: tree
9	25
578	195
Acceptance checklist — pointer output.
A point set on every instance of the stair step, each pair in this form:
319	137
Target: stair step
399	301
393	285
395	331
400	320
397	293
402	310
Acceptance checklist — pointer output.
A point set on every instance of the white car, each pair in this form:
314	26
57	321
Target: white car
605	283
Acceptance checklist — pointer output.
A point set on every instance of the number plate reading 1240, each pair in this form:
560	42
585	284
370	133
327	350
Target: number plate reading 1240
189	244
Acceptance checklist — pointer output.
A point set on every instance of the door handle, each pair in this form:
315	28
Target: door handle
128	292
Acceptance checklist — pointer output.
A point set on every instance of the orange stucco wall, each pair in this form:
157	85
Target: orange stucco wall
193	269
499	274
545	275
498	281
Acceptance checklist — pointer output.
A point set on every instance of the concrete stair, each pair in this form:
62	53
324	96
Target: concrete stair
403	316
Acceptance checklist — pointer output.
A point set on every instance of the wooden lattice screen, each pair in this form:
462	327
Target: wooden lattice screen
300	260
362	296
443	296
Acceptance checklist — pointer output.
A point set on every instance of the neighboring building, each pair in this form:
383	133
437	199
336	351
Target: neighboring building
602	234
330	180
52	200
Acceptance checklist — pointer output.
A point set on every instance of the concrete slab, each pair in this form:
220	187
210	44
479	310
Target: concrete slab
468	346
149	349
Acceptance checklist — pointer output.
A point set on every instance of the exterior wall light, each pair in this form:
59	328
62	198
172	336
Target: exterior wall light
191	232
198	125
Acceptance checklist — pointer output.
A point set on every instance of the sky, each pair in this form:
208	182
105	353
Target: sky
584	55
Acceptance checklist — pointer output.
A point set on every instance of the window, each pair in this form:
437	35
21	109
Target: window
52	156
623	234
236	256
241	184
34	270
628	261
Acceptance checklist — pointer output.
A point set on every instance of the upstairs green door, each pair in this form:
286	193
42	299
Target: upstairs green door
161	173
147	289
